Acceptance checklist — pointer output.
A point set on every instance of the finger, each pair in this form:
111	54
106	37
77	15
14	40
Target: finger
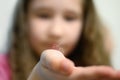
106	72
54	60
100	71
94	72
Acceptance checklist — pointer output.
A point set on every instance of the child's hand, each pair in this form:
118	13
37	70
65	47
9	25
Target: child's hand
54	66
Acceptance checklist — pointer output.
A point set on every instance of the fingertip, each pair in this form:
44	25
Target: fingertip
66	67
54	60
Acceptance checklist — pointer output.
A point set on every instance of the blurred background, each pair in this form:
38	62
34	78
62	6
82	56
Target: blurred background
109	10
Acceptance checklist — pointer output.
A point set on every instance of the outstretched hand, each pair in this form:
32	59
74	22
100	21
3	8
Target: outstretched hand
54	66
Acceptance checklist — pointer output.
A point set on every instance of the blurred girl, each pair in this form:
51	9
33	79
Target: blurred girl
73	25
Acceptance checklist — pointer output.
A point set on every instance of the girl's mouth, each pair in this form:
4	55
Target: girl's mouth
56	47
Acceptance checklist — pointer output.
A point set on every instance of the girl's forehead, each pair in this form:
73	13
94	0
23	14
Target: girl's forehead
75	5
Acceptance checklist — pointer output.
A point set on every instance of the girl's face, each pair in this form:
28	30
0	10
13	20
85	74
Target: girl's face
54	24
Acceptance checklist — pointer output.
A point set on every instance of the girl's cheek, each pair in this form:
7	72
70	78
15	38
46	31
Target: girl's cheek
74	30
39	27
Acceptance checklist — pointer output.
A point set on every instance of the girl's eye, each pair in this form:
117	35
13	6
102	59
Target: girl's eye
44	16
70	18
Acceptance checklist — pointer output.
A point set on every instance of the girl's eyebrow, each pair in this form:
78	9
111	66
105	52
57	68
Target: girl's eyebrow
42	8
71	12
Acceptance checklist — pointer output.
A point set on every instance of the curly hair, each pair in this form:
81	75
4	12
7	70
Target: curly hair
89	51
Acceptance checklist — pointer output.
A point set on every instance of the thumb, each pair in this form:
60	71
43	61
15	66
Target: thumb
54	60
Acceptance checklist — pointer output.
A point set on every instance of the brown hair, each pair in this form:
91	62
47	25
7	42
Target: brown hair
89	50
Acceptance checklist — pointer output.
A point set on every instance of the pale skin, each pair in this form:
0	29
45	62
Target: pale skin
54	32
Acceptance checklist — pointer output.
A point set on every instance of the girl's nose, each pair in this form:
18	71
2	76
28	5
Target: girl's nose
56	29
